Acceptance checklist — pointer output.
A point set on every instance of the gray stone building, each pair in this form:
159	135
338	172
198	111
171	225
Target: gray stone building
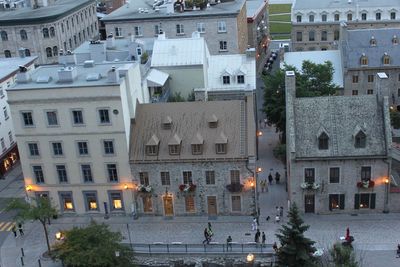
194	158
338	151
222	25
43	31
316	23
367	52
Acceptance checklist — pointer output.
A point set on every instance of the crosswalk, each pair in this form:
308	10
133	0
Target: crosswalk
6	226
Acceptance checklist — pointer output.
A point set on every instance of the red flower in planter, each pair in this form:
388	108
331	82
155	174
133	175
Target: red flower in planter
366	184
182	187
371	184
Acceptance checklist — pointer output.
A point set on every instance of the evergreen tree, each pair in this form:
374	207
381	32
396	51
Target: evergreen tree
296	249
343	256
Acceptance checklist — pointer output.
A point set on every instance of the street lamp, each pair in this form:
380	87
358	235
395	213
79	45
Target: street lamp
59	235
28	188
250	259
259	133
385	206
258	170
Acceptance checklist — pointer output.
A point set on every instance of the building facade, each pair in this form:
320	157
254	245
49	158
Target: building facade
194	158
316	24
338	151
72	126
222	25
45	30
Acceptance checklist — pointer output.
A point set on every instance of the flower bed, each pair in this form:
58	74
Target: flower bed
187	187
366	184
144	189
313	186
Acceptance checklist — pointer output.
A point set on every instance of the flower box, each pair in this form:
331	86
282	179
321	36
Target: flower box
144	188
187	187
311	186
234	188
366	184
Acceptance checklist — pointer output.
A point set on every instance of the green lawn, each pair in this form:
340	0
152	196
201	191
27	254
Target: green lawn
280	18
279	8
280	28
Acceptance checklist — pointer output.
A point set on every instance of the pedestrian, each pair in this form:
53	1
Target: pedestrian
278	211
254	225
262	184
267	219
263	238
21	231
257	236
270	178
277	177
14	230
281	211
210	231
206	237
398	251
265	122
277	219
275	247
229	243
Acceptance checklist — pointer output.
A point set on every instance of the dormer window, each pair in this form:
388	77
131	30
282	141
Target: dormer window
152	146
221	144
364	60
167	123
174	145
311	18
372	41
323	141
197	144
240	79
349	17
220	148
226	79
360	140
395	40
386	59
298	18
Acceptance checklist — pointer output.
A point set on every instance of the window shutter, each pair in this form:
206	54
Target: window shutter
341	201
330	202
372	201
357	201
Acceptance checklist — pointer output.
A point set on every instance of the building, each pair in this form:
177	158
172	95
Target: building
316	24
9	151
194	158
72	126
338	150
367	52
223	25
43	31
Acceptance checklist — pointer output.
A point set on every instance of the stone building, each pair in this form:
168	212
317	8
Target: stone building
316	23
44	30
194	158
367	52
338	151
223	25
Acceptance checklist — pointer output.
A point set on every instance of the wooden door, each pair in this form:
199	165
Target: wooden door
212	205
309	203
168	206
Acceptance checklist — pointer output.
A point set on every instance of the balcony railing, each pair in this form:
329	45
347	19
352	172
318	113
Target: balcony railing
235	187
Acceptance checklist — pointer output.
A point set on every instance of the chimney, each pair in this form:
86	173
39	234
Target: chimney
67	59
21	52
23	76
110	41
200	94
67	74
113	75
290	96
251	52
195	34
161	36
381	86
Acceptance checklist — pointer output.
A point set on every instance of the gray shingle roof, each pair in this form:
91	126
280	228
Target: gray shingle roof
318	4
340	116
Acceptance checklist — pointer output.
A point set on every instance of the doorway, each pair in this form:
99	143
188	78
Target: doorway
168	206
212	205
309	203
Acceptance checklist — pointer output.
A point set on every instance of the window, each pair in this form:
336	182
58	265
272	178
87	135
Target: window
364	201
118	32
386	59
90	198
395	40
226	79
108	147
197	149
309	175
298	18
398	92
33	149
5	112
355	78
363	16
52	118
45	33
236	204
87	173
311	36
240	79
147	204
299	36
75	40
67	25
323	17
324	36
336	201
104	116
392	15
49	52
62	27
366	173
220	148
189	204
336	17
201	28
144	178
70	42
10	137
52	32
223	46
370	92
23	34
364	62
370	78
165	180
1	93
7	53
179	29
4	36
334	175
112	172
372	41
187	177
38	174
151	150
27	118
210	177
66	201
62	173
378	16
336	35
55	51
323	141
221	26
27	52
311	18
354	92
77	117
138	31
174	149
116	202
83	148
157	29
360	140
235	177
57	149
3	144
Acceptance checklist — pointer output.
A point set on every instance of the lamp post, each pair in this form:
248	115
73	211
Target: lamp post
250	259
133	207
386	203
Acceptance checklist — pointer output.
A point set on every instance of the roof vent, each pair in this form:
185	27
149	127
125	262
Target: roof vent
88	64
43	79
93	77
23	76
213	121
113	75
166	123
67	74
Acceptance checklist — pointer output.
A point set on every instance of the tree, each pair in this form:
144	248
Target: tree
95	246
296	249
395	119
41	210
176	97
343	256
312	80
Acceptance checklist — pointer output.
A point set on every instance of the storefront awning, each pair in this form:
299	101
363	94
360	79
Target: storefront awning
156	78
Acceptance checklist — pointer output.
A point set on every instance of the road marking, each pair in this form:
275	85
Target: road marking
11	226
4	227
1	224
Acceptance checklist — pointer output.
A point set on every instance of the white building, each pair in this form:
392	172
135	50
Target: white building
72	125
9	151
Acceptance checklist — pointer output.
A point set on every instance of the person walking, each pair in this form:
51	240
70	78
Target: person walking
210	231
278	211
254	224
265	122
270	178
263	239
257	236
229	243
262	184
206	236
281	211
21	231
275	247
277	177
14	230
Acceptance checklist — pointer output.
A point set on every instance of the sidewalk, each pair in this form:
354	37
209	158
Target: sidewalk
13	185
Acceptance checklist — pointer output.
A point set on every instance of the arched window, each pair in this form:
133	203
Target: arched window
395	40
52	32
55	51
81	16
23	34
372	41
27	53
80	37
62	27
7	53
45	33
85	13
364	60
360	140
84	34
323	141
386	59
49	52
4	36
